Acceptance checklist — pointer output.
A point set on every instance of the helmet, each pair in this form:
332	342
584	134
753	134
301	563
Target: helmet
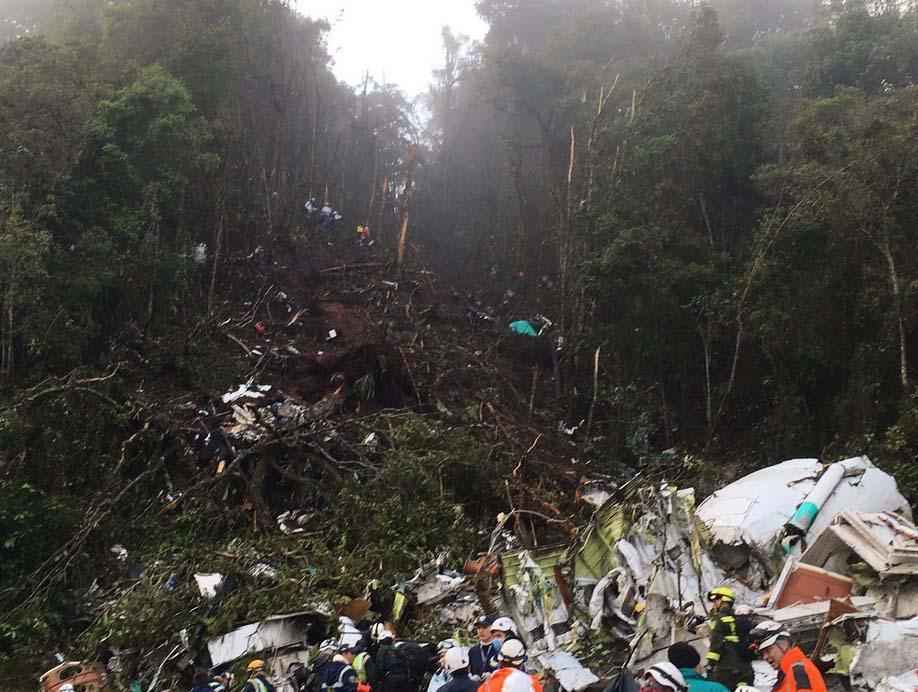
724	592
344	646
455	659
504	625
667	675
255	664
446	645
766	634
513	651
328	645
518	681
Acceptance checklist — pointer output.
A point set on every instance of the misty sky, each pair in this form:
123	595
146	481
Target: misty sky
397	42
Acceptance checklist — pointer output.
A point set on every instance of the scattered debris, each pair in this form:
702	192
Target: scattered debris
247	391
280	633
209	584
523	327
263	570
786	505
82	676
801	583
569	672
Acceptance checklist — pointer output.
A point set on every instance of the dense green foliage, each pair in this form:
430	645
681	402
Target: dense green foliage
720	196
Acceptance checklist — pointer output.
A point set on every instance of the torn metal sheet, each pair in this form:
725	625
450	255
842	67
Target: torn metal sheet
885	541
276	632
880	551
809	616
437	588
890	648
534	597
280	668
752	512
570	672
802	583
907	682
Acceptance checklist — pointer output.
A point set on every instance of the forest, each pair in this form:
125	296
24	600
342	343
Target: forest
714	203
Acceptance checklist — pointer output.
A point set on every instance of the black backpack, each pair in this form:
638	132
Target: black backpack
744	625
417	660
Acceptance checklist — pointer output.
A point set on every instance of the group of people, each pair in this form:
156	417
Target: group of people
324	215
374	659
732	649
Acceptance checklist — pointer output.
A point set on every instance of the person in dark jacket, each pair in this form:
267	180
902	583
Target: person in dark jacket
391	669
339	675
484	652
456	664
726	663
687	659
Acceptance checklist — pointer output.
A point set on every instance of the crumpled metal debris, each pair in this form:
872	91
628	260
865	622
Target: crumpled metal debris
209	584
247	391
748	520
569	671
907	682
263	570
293	521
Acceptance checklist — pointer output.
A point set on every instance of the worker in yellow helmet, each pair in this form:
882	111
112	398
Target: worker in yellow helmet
727	661
258	681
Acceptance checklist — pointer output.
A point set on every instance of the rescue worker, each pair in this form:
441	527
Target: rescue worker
440	676
391	669
339	675
485	651
503	630
726	662
796	673
687	659
511	659
258	681
324	658
663	677
361	658
456	664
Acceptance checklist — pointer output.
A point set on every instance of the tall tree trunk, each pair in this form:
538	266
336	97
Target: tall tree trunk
218	250
6	357
565	244
369	217
705	334
895	284
406	208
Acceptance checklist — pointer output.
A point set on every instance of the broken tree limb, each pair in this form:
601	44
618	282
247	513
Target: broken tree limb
238	341
589	427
